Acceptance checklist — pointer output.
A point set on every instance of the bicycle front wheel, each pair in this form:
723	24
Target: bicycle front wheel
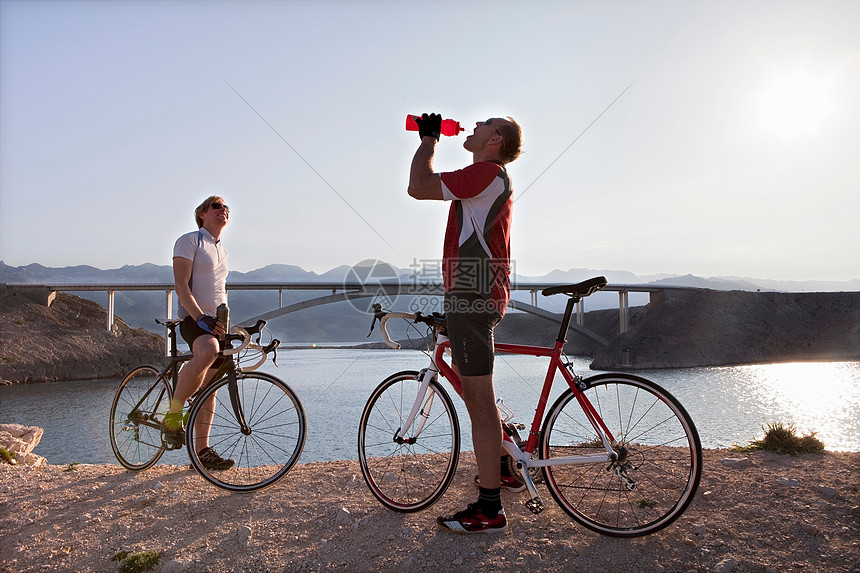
140	403
265	447
411	472
659	456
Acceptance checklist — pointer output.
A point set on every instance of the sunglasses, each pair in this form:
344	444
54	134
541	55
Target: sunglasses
218	206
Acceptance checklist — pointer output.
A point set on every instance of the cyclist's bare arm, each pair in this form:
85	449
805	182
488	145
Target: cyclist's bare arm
424	183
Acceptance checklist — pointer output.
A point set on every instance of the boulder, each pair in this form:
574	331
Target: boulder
20	440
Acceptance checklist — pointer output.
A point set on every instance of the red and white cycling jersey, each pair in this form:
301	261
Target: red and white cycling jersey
477	250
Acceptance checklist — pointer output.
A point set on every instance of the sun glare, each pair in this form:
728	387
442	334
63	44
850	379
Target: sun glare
796	104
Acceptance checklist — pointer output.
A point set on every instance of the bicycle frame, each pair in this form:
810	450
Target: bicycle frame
438	364
228	368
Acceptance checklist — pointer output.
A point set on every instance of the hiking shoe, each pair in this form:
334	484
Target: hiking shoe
473	520
174	434
212	461
509	483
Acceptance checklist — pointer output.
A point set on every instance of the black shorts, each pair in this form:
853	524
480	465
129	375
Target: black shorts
470	320
190	332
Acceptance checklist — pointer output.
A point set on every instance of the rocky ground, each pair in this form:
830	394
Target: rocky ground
770	513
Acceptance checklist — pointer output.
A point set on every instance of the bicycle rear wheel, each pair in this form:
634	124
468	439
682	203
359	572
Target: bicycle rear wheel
659	453
408	474
271	442
135	418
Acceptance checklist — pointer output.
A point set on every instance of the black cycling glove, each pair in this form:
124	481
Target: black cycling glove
429	125
207	323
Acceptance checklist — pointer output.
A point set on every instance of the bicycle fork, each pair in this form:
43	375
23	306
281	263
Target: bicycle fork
421	408
236	402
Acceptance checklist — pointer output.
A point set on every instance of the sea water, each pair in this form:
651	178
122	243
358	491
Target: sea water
729	404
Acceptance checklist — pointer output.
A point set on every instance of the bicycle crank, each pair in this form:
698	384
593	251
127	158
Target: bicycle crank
535	505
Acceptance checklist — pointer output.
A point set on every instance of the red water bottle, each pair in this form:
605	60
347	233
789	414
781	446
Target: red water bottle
449	126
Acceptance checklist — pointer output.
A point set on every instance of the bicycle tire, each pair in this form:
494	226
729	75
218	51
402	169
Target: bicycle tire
139	405
276	437
659	448
408	477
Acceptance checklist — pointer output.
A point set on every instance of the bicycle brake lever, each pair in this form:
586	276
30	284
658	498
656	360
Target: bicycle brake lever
273	348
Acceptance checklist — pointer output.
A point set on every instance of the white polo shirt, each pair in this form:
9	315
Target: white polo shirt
209	271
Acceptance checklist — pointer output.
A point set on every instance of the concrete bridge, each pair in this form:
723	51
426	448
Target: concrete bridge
344	291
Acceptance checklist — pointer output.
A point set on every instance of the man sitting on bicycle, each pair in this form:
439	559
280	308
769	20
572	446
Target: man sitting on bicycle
476	269
200	273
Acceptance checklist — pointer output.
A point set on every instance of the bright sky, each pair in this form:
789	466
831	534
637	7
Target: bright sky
734	153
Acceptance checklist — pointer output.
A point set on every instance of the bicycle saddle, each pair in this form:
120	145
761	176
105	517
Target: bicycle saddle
578	290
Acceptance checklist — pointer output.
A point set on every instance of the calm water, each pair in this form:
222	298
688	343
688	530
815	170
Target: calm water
728	404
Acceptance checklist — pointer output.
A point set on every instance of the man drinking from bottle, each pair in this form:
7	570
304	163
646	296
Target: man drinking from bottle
476	272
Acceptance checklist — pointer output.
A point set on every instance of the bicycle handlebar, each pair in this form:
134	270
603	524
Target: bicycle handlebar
435	320
240	334
244	334
384	319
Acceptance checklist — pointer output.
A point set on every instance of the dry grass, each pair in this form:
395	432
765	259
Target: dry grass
783	439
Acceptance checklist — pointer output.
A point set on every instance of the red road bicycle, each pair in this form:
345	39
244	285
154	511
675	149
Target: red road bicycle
618	453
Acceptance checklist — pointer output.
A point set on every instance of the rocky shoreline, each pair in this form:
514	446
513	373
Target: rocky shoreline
67	340
755	512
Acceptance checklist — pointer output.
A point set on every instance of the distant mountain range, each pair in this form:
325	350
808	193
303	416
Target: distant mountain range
340	322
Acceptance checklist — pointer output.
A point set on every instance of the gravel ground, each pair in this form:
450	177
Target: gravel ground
768	513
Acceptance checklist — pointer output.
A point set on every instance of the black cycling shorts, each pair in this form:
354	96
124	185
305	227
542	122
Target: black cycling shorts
470	320
190	332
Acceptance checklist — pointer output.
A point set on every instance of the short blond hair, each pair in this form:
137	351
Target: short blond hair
198	212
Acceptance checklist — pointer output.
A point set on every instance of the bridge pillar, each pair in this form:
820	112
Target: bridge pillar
169	315
624	310
110	311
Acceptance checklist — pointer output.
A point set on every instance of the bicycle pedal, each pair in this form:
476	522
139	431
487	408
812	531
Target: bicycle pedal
535	505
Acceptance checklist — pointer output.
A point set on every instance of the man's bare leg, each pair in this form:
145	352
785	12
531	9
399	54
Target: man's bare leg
480	399
205	350
203	422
